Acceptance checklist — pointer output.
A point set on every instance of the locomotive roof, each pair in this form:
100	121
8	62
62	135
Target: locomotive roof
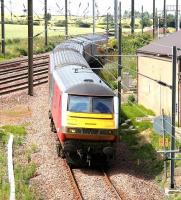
90	89
68	57
81	81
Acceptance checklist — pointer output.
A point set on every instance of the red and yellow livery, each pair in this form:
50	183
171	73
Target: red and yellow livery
83	109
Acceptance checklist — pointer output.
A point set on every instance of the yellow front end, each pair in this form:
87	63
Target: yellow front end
90	120
103	126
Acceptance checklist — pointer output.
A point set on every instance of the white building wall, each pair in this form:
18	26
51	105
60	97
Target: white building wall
151	94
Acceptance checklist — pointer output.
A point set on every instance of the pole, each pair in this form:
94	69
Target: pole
11	10
172	144
158	27
2	28
178	20
93	2
176	17
46	24
132	17
153	19
156	20
164	17
116	18
142	25
120	58
107	28
30	47
66	19
107	32
164	145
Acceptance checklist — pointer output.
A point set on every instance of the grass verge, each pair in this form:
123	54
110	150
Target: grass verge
141	141
23	169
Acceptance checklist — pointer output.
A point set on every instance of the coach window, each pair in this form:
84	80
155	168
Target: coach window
102	105
79	104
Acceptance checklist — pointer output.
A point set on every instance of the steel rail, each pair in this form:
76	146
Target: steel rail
112	187
73	181
23	83
18	68
21	61
21	77
23	87
14	76
11	76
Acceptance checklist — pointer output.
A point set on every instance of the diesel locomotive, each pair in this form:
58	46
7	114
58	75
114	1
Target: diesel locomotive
83	110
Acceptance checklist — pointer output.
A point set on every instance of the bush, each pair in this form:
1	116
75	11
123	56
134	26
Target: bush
83	24
36	23
16	40
113	43
22	51
125	25
9	41
60	23
131	99
50	47
102	23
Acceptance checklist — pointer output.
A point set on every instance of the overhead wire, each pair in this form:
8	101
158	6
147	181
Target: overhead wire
144	75
131	102
107	69
106	59
158	81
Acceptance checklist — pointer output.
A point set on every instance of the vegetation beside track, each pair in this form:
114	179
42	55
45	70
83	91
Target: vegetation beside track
143	144
19	47
141	140
23	168
129	63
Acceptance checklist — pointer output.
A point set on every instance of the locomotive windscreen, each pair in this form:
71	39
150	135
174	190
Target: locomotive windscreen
90	104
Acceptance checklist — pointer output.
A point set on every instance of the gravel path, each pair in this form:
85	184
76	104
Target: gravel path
51	181
131	179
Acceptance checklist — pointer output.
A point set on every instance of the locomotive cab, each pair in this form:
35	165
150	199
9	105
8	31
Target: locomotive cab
91	122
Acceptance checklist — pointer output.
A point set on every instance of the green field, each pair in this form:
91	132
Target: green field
21	31
16	35
17	42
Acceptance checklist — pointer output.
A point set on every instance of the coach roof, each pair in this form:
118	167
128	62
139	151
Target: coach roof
68	57
69	45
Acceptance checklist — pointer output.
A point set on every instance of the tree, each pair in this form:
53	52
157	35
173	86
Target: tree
146	14
146	22
126	14
110	19
171	20
49	16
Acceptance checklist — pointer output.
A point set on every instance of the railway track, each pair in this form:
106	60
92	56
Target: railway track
14	73
73	182
119	195
78	194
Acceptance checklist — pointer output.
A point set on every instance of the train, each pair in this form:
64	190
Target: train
83	109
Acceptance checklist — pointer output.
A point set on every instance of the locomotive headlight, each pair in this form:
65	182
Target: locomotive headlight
72	130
